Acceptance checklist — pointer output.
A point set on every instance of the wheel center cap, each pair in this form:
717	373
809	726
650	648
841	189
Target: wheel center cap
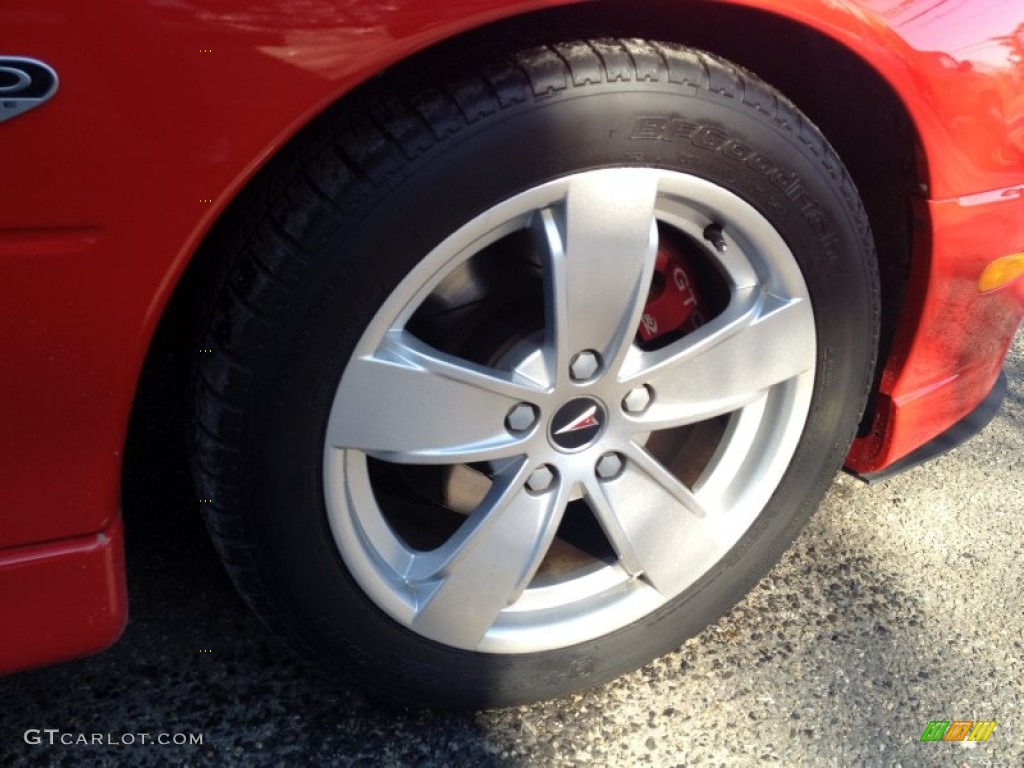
577	424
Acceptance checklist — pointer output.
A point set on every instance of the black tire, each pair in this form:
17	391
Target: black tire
378	183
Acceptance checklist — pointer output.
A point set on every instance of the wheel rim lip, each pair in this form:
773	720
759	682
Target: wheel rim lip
606	598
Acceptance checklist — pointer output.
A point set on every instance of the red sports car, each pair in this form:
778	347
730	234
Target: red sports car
520	337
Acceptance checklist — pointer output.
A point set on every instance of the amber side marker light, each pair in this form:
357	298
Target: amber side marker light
1000	272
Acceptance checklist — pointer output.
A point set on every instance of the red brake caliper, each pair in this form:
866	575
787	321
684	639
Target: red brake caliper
673	303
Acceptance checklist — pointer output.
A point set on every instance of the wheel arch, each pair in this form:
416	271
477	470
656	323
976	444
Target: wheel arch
886	172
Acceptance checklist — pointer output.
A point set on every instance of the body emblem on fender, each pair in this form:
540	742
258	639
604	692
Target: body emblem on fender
24	84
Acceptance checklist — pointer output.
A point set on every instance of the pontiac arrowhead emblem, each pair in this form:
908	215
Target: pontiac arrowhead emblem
584	420
577	424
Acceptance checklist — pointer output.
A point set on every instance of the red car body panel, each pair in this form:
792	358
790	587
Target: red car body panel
61	599
164	112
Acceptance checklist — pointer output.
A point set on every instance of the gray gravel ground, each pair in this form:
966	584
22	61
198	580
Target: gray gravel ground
900	604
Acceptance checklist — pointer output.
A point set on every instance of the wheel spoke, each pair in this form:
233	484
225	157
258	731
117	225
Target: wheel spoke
717	482
463	586
414	404
601	250
759	342
657	526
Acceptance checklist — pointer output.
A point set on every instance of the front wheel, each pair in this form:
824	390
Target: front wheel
529	373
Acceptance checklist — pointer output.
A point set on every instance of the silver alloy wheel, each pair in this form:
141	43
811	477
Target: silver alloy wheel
404	402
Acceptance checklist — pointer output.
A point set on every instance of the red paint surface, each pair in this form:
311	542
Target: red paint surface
957	65
166	109
61	600
955	338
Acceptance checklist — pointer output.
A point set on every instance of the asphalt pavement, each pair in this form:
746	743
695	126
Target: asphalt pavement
900	604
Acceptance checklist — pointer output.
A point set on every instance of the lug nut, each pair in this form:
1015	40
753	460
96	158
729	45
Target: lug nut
585	365
521	417
541	479
637	400
609	465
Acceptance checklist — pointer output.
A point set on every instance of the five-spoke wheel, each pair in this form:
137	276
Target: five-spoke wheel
566	415
528	368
